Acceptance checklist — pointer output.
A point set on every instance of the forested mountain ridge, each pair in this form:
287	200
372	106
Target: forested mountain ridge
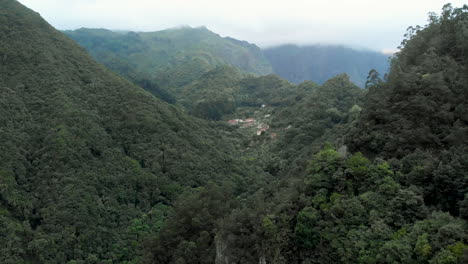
90	164
229	231
94	169
226	90
319	63
420	114
316	118
406	204
174	57
202	72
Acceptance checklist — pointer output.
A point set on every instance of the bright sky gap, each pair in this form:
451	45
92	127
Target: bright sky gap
371	24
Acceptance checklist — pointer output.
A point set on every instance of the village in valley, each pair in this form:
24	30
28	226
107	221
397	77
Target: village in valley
257	125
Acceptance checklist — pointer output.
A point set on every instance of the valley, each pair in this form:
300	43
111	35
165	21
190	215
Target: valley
181	146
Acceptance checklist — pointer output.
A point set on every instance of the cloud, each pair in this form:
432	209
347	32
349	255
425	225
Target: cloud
370	24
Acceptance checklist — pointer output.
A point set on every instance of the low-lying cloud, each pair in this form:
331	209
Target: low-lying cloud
372	24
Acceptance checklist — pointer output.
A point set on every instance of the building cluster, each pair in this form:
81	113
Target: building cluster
250	122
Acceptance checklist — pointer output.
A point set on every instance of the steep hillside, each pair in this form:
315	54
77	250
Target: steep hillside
226	91
191	66
319	63
323	115
90	163
213	95
411	208
421	114
297	129
94	169
174	57
406	203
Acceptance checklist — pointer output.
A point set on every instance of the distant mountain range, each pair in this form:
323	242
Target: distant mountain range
175	57
321	62
94	169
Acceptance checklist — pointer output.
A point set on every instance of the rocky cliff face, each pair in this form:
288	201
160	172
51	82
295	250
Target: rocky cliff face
221	247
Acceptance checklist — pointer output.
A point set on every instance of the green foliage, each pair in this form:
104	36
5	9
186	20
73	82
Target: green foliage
359	208
358	165
305	229
423	248
226	90
325	161
90	163
452	254
173	57
419	114
458	249
190	232
322	170
96	170
372	219
321	115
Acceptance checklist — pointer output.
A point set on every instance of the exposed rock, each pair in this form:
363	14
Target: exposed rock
221	247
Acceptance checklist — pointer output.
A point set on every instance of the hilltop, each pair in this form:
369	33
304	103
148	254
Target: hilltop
174	57
90	163
187	53
402	199
101	168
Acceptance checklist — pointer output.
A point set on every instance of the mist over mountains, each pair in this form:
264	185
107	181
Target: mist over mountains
182	147
156	51
319	63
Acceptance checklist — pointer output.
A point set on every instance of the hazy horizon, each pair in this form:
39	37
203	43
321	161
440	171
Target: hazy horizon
264	23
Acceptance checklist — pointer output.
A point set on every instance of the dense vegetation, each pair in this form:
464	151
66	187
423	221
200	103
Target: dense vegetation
196	229
404	205
193	67
94	169
325	114
321	62
89	163
173	57
420	114
225	90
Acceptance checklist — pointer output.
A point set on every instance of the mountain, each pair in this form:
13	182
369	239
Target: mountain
322	115
375	175
90	164
226	90
296	130
420	115
319	63
213	95
174	57
94	169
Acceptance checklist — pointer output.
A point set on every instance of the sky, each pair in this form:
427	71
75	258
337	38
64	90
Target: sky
369	24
